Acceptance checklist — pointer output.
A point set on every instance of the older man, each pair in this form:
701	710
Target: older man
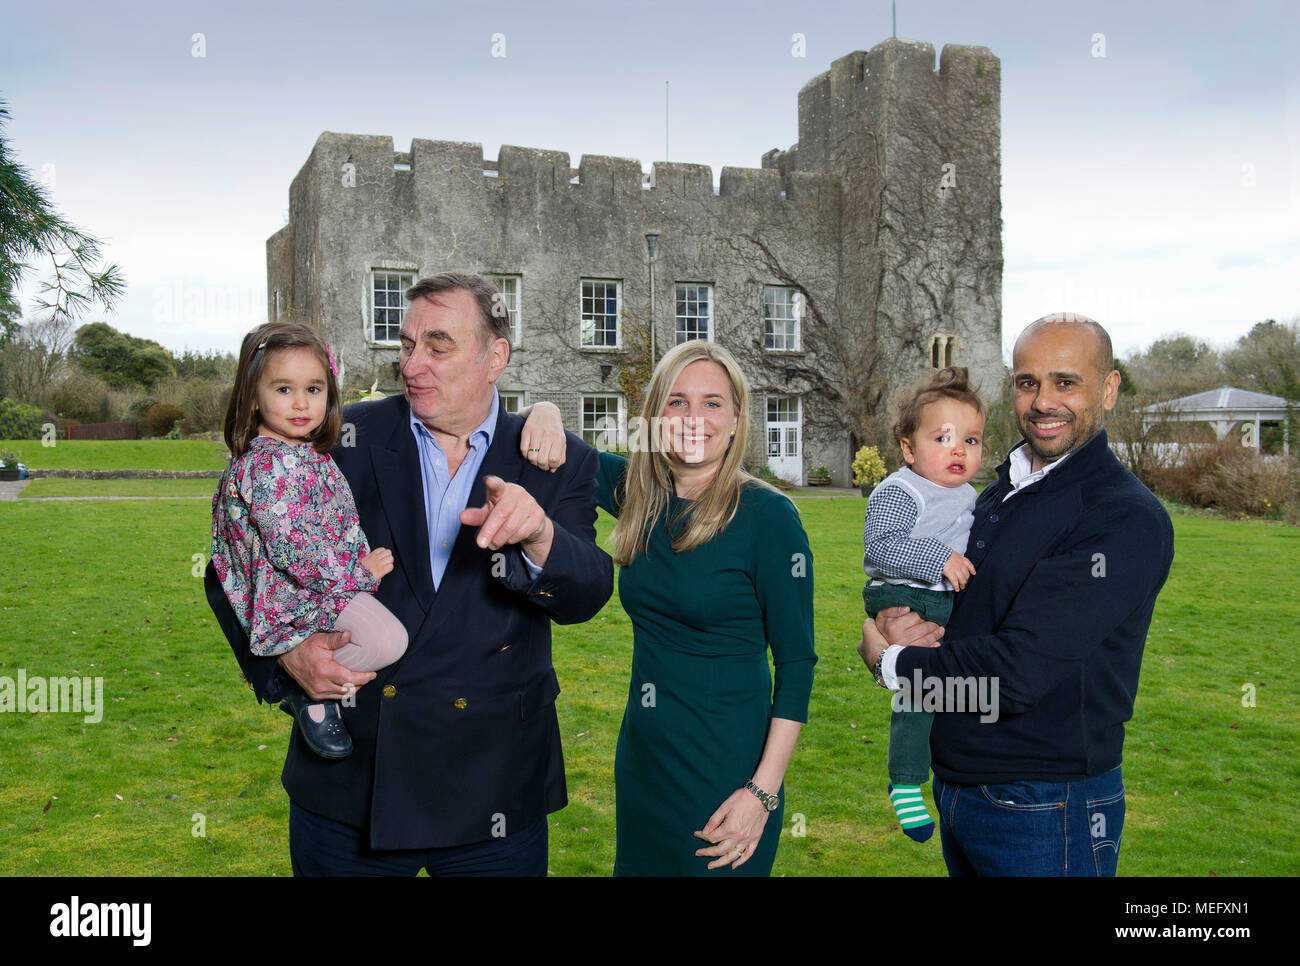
1070	551
457	757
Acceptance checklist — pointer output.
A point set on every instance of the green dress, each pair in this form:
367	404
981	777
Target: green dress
701	692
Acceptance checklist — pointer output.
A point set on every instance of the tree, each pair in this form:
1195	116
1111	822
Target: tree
119	359
210	364
1267	359
10	314
30	226
34	358
1173	366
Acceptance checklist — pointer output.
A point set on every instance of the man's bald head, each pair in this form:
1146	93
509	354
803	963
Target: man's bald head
1103	352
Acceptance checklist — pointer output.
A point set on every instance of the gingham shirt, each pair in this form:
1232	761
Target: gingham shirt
903	542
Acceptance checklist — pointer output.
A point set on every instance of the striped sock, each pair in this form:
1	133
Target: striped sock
909	806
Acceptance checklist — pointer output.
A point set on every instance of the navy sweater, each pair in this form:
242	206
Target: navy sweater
1067	573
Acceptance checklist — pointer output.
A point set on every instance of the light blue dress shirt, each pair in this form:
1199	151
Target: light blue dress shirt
446	496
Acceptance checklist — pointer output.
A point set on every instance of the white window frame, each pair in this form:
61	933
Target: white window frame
795	421
591	434
680	295
406	278
587	339
514	304
519	396
791	322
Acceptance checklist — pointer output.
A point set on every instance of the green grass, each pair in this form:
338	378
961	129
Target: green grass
107	589
155	488
127	454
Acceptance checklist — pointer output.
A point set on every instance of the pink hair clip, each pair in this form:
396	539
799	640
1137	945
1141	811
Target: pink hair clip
329	350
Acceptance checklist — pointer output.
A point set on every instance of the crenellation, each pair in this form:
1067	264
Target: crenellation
525	168
682	180
757	185
444	163
602	176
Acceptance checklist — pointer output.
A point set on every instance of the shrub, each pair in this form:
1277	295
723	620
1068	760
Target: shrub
764	473
161	419
19	421
120	402
1229	476
82	396
868	467
138	410
204	403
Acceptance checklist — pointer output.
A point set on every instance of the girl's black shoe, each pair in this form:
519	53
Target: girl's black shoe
328	737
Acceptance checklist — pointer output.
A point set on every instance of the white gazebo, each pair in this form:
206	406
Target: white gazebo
1228	410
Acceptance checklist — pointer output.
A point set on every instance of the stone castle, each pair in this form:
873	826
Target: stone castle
836	272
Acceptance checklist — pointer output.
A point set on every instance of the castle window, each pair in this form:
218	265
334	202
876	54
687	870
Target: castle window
510	286
388	304
782	312
943	351
694	313
600	305
604	421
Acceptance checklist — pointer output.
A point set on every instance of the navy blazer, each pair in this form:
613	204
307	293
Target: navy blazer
458	741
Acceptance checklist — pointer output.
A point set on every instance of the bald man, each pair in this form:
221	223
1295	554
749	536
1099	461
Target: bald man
1038	666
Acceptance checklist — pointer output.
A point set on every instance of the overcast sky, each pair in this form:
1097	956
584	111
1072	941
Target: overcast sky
1156	188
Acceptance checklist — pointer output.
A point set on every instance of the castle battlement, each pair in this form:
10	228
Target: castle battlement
370	163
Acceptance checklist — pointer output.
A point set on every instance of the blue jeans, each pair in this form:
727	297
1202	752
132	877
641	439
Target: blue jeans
1032	828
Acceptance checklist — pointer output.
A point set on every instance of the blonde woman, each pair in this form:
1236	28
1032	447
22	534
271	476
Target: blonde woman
715	571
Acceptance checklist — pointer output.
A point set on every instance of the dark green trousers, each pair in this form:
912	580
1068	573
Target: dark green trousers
909	731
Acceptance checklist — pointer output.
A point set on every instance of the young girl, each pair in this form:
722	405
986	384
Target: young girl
918	521
286	541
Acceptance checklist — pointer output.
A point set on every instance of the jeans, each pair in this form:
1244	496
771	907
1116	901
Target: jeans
1032	828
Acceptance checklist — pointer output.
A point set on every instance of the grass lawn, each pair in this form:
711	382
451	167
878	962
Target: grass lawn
109	589
155	488
127	454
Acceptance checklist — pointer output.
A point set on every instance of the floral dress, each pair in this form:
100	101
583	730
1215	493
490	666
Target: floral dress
287	543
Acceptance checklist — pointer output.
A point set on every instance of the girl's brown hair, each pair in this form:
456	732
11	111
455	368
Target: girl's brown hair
950	383
241	414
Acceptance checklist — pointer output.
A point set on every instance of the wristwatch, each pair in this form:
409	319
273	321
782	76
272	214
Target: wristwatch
877	670
770	802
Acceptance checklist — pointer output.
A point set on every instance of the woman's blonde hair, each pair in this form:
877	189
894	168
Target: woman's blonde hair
644	496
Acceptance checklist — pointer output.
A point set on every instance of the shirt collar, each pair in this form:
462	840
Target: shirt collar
1021	472
486	428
